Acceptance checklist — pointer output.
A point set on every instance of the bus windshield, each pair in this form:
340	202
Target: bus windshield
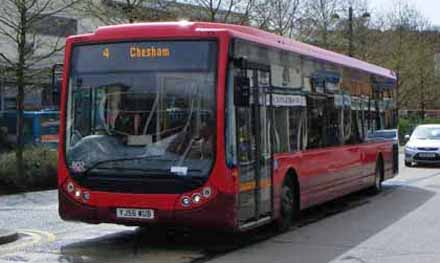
142	107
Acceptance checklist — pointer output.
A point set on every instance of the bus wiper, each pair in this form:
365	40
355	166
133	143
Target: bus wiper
149	171
121	160
155	174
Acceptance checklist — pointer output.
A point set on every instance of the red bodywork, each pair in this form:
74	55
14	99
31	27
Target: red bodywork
322	174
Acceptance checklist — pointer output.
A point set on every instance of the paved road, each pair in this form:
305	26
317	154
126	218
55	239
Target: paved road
399	225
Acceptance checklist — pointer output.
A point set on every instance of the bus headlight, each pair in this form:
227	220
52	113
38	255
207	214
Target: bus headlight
70	187
196	198
77	193
207	192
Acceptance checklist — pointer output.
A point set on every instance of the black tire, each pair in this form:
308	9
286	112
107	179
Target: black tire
288	207
378	177
408	164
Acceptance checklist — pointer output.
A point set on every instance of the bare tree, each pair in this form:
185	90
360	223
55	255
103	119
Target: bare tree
278	16
225	11
127	11
319	20
19	20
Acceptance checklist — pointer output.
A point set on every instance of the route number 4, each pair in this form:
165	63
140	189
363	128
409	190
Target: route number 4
106	53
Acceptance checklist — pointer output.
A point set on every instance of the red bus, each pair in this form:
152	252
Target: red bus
215	126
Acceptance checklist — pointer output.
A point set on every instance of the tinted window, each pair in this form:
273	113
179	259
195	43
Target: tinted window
297	122
315	115
333	123
281	129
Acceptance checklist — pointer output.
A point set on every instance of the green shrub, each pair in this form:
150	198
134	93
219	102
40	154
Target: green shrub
405	127
40	169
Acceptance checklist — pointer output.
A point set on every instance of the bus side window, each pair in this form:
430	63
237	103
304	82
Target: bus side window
356	128
333	124
281	129
315	115
296	125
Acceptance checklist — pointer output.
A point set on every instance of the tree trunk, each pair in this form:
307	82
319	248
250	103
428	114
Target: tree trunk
21	50
19	128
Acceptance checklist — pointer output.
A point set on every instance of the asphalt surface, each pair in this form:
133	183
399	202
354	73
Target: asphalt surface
398	225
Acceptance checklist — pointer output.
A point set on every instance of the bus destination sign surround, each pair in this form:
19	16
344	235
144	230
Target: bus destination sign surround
145	56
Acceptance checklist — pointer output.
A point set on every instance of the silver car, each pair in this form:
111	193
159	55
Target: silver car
423	147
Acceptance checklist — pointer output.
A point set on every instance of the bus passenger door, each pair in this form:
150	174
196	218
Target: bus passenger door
253	149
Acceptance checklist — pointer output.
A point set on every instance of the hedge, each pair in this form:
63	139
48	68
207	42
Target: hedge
40	170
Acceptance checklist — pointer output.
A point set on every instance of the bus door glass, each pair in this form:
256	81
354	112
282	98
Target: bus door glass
254	151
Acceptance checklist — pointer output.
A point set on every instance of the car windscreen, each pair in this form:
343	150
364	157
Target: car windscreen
426	133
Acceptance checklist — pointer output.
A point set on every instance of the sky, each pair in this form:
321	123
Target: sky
430	9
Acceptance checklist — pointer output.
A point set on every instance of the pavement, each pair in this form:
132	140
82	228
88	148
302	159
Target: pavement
398	225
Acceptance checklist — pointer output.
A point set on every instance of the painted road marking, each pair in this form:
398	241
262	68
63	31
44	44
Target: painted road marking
27	238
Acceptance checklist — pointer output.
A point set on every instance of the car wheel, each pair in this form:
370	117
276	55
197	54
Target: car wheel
408	164
287	207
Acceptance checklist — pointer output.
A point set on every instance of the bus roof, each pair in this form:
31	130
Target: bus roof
251	34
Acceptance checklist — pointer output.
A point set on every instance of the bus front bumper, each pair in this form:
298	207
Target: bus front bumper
219	213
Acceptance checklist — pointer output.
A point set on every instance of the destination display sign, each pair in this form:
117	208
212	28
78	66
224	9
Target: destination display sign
145	56
279	100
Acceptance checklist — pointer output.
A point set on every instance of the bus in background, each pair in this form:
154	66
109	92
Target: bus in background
40	127
211	125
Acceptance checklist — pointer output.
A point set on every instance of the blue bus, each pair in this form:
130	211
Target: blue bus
40	127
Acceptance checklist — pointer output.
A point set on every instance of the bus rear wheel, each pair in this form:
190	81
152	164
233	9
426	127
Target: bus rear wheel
378	177
287	207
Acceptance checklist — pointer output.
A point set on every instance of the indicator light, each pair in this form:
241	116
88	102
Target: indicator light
86	196
77	193
186	201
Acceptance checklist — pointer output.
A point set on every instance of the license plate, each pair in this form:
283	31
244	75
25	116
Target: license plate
134	213
427	155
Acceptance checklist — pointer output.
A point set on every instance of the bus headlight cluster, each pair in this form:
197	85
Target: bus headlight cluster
76	192
196	198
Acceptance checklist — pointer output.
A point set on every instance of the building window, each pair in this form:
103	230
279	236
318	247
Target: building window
55	26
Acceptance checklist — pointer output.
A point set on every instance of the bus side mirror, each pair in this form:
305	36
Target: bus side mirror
242	92
407	137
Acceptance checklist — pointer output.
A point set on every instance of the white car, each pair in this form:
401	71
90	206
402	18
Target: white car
423	147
